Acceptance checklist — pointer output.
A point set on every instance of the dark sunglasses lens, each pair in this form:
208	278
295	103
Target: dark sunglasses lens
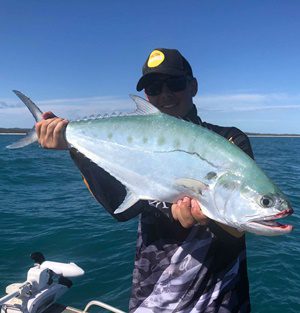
176	84
154	88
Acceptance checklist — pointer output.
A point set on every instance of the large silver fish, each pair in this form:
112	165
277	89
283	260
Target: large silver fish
159	157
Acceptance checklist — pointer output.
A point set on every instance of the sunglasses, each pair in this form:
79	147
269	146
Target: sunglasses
173	83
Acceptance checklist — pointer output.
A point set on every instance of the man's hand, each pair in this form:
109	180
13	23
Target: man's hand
50	132
188	212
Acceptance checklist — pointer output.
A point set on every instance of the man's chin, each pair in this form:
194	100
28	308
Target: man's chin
169	109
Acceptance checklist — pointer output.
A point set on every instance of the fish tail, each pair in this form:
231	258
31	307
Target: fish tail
31	136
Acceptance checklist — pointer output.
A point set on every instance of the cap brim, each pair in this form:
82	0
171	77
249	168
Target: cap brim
144	81
146	78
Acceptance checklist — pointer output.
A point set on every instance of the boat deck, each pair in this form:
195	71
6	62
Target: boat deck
59	308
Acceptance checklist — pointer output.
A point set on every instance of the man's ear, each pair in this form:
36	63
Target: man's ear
194	86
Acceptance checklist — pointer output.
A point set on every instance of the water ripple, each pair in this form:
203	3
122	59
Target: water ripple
45	207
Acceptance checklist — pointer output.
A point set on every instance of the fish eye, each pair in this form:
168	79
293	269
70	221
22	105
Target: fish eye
266	201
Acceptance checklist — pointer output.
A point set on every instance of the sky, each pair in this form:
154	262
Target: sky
78	58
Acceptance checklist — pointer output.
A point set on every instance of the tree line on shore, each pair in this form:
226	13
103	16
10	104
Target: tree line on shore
14	130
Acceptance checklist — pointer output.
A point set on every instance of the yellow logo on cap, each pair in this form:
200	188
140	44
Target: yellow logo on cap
155	58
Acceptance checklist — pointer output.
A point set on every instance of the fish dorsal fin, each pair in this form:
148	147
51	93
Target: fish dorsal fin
143	107
129	201
195	185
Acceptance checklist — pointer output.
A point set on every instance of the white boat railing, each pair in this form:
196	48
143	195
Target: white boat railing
102	305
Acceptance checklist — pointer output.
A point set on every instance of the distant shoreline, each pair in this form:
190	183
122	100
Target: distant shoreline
22	134
250	134
14	131
273	135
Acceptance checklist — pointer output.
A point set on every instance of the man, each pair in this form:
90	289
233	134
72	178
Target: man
184	262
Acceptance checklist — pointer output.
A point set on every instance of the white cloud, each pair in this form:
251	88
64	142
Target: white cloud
80	107
247	102
14	114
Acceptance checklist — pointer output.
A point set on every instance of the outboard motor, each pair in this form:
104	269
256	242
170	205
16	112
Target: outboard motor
46	282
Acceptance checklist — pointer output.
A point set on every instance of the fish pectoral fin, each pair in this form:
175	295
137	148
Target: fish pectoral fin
192	184
129	201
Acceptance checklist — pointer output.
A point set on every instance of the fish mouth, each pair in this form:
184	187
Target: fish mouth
271	221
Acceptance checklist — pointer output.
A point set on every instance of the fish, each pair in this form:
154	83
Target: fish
163	158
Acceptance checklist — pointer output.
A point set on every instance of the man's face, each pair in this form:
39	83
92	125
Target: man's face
172	95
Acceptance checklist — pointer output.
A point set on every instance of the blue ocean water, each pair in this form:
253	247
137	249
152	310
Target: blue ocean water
44	206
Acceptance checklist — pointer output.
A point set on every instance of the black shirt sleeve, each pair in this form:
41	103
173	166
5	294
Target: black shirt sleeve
234	135
241	140
108	191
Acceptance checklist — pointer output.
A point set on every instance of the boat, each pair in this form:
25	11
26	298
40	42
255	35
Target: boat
46	282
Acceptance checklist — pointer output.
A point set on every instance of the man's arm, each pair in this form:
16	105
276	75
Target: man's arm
241	140
106	189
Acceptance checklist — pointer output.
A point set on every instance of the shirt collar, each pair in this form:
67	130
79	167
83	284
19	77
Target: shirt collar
192	116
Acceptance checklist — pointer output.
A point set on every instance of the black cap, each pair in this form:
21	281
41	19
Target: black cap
164	61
